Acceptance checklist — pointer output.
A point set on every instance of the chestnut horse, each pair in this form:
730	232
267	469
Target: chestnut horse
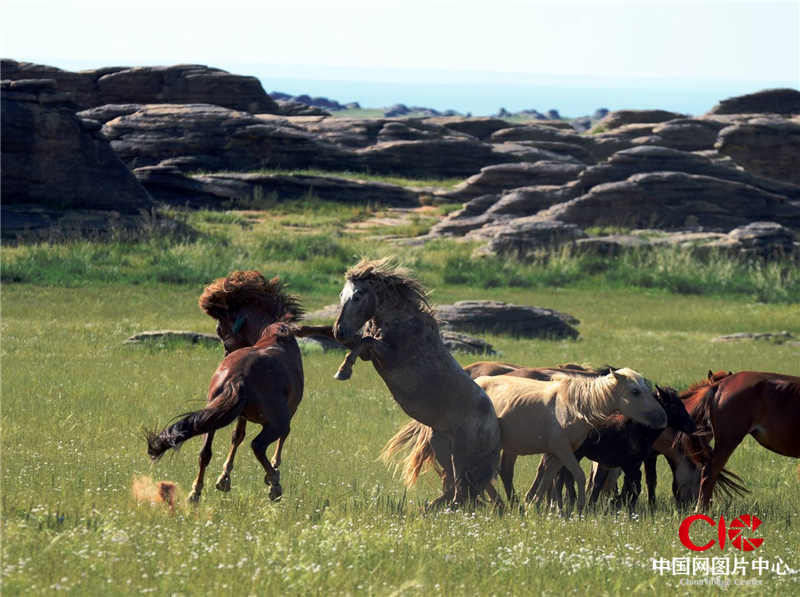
259	380
764	405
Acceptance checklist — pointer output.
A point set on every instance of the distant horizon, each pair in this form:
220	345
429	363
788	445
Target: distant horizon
481	92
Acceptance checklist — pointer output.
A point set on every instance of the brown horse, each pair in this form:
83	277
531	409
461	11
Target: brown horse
260	379
401	337
764	405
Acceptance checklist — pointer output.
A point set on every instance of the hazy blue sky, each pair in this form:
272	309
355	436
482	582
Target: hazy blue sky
715	44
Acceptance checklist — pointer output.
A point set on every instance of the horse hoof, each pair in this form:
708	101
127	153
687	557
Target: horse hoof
224	484
275	492
194	497
273	479
342	375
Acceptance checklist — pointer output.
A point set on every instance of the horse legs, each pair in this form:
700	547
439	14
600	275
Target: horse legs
597	480
507	461
276	458
277	427
205	458
564	479
651	478
723	448
538	480
632	486
561	450
441	449
224	481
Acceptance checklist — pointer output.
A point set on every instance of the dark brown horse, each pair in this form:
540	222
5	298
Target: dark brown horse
764	405
260	379
619	442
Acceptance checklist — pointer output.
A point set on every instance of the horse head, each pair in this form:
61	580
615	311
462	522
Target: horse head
636	400
245	303
358	302
677	416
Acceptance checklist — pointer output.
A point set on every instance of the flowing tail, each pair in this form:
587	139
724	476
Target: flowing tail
222	411
417	437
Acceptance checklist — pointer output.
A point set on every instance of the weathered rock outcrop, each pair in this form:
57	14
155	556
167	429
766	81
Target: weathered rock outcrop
768	147
685	134
620	118
169	184
205	137
503	177
768	101
179	84
522	236
505	318
757	239
52	159
675	200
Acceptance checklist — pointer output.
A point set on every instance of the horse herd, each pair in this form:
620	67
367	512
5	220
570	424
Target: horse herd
469	423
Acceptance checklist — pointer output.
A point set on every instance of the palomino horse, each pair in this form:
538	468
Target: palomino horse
260	379
765	405
626	444
552	417
402	340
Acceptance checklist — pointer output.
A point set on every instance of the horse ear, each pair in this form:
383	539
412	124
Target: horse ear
710	374
658	389
617	376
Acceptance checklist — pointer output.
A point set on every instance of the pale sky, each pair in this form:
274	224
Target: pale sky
717	39
469	55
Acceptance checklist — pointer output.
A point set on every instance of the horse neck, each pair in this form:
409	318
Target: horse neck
695	401
388	315
591	398
258	323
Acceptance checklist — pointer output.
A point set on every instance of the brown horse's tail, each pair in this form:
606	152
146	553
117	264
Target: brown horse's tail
421	455
222	411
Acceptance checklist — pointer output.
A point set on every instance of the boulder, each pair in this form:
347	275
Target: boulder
758	239
521	237
294	108
650	158
767	147
776	337
505	318
429	158
502	177
458	342
163	336
169	184
685	134
768	101
675	200
478	127
179	84
211	138
52	159
620	118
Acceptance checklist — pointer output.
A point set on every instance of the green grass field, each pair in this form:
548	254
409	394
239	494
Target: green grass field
74	401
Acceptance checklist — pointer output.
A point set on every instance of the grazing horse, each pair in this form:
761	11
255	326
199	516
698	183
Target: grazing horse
259	380
764	405
621	442
401	337
552	417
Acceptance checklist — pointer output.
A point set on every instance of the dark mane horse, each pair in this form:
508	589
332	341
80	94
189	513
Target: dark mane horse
764	405
259	380
619	442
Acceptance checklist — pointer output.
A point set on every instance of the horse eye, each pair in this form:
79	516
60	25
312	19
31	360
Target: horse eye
636	391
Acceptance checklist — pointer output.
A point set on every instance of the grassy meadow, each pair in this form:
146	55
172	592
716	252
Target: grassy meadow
75	399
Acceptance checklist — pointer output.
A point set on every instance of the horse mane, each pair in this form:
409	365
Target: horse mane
250	289
588	397
391	282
